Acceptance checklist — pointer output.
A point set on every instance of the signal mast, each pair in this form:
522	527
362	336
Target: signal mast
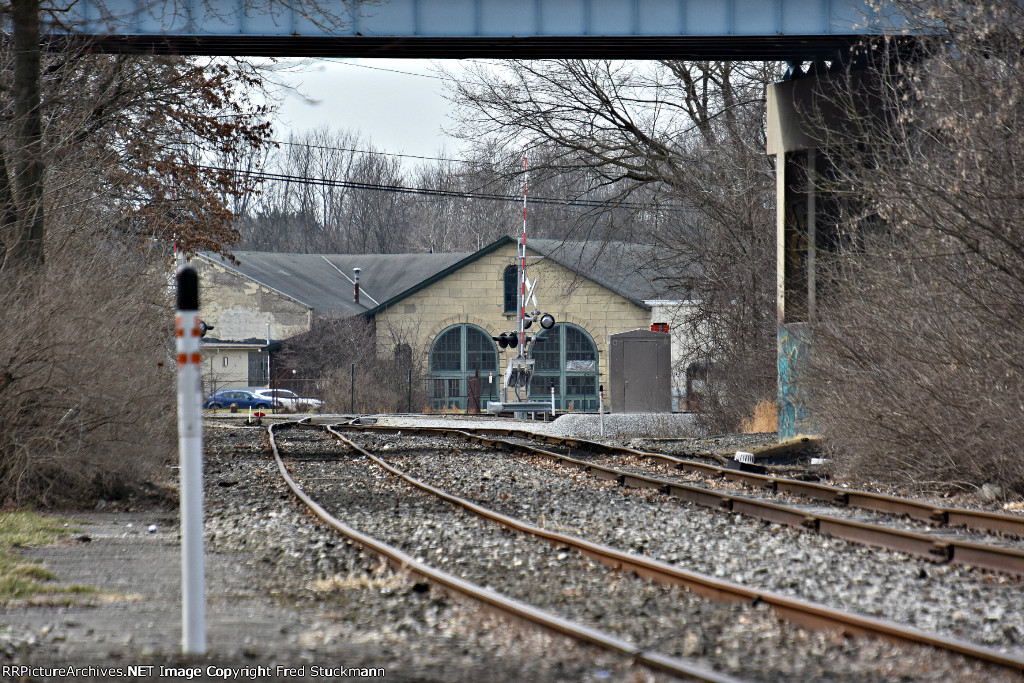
519	371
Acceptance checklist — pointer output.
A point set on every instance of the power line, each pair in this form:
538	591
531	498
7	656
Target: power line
403	189
394	71
449	79
367	151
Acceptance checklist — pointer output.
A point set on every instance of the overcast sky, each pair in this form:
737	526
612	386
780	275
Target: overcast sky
384	99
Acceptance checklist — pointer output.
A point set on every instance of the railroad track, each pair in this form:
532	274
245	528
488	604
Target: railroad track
947	546
799	610
501	604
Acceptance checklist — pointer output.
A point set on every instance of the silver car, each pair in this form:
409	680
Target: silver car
289	400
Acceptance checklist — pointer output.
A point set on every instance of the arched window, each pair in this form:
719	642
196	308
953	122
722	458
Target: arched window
566	356
511	289
459	355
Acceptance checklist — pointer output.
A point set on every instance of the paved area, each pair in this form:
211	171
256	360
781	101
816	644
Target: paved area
579	425
136	615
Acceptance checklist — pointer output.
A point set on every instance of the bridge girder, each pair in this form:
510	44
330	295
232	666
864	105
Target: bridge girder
636	29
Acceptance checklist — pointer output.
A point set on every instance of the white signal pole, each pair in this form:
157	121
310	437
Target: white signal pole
190	454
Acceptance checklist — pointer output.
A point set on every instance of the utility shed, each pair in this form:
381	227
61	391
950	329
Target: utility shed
641	372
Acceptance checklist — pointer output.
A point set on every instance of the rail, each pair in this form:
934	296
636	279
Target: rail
800	611
947	550
508	607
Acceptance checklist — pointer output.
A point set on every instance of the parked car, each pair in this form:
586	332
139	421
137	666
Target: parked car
289	400
243	398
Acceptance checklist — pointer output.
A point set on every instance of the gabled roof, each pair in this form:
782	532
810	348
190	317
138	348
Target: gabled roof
623	267
440	275
324	281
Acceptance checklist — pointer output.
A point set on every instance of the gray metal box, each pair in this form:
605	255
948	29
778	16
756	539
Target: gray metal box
641	372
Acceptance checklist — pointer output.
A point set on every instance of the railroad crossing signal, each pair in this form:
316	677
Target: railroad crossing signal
510	340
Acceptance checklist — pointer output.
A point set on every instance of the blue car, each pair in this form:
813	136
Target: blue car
241	398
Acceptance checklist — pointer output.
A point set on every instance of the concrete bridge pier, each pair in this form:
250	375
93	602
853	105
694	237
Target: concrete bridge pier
805	221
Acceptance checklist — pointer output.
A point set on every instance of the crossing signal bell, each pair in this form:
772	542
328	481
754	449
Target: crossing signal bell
204	328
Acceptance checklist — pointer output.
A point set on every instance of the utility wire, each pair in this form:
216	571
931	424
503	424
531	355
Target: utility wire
330	148
394	71
402	189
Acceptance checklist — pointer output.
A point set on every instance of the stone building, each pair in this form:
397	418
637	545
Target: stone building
446	307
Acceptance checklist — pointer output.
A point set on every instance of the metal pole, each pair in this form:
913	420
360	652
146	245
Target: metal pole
552	398
410	390
521	329
190	454
353	389
600	408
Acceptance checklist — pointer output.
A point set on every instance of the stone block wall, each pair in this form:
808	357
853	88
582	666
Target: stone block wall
475	294
240	308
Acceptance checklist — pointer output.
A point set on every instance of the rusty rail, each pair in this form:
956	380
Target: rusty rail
966	553
503	605
976	520
954	551
799	611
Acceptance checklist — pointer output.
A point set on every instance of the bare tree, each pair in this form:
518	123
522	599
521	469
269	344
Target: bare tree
680	146
918	366
86	371
85	358
355	368
23	163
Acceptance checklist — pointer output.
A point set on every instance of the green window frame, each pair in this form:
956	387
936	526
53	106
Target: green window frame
567	356
456	355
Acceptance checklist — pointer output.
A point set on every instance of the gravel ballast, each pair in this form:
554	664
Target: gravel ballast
284	590
954	601
738	640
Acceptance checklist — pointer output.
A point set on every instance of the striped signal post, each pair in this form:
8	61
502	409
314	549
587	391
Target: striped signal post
190	452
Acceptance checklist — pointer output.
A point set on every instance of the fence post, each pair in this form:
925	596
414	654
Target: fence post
353	389
410	390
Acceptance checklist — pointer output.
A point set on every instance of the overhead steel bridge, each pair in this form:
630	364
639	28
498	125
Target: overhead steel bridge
634	29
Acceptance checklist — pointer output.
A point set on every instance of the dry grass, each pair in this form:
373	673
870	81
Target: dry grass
21	578
765	419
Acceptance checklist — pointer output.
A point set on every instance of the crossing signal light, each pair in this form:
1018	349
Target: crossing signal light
547	321
508	340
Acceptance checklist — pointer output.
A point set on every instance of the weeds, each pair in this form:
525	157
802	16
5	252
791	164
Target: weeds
765	419
22	578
